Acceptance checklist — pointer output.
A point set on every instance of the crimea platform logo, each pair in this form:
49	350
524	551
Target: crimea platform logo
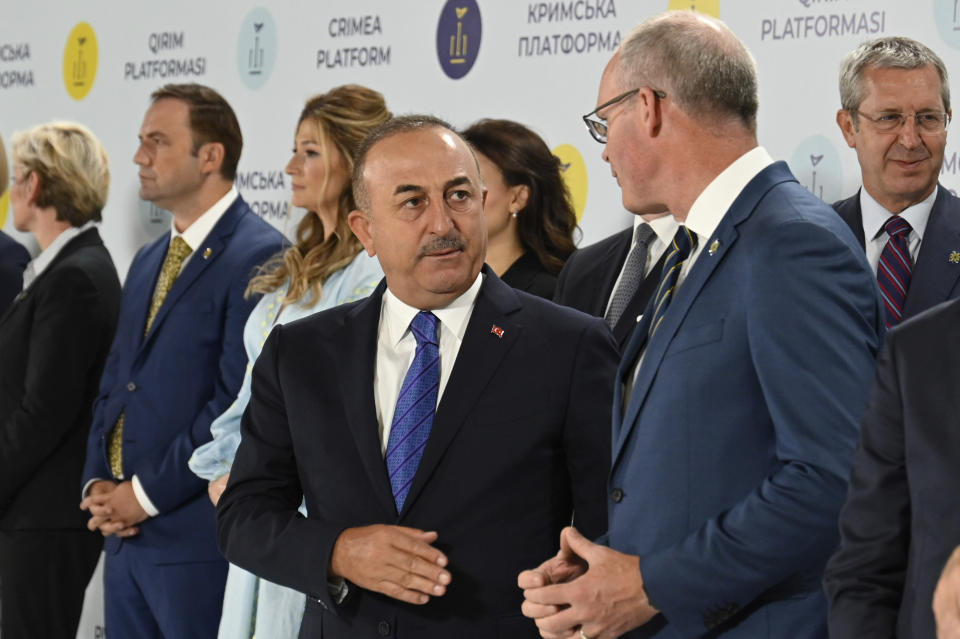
709	7
458	37
256	48
80	57
816	165
946	14
574	172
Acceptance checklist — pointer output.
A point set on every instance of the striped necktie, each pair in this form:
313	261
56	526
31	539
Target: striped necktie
895	268
683	244
416	407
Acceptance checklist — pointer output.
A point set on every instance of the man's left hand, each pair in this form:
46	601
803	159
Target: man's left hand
121	510
946	599
605	602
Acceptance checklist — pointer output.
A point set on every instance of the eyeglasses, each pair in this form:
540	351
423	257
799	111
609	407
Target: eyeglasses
597	126
927	121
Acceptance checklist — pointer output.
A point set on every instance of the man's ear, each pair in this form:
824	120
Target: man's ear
211	157
847	127
360	225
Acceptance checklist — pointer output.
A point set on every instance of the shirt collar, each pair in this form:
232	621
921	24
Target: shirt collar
197	232
397	315
715	200
665	227
874	215
40	263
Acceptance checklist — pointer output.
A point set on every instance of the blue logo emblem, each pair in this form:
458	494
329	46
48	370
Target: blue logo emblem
256	48
458	37
816	165
156	221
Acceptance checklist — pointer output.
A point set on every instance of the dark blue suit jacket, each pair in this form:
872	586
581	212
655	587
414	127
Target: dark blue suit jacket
935	277
172	383
520	442
901	520
13	259
731	462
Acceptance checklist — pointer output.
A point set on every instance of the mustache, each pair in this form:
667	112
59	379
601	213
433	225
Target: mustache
451	241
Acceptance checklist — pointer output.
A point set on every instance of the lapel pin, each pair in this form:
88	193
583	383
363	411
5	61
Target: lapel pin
954	257
207	252
714	247
496	330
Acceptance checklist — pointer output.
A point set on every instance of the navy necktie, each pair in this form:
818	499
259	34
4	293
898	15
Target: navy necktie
683	244
416	407
895	268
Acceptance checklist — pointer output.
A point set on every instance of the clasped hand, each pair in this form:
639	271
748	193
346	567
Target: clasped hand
586	589
114	509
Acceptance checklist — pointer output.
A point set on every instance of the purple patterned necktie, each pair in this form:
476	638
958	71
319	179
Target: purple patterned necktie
895	268
416	406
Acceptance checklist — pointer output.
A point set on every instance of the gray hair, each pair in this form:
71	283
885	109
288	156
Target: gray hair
887	53
393	126
697	61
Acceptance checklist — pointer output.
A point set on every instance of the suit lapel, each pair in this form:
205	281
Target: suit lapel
934	275
205	255
481	353
849	212
725	236
356	357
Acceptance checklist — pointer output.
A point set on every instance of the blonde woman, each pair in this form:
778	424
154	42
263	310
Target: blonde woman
324	268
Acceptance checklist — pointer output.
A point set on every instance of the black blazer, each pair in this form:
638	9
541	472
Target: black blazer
936	277
527	274
521	441
587	279
901	520
54	341
13	259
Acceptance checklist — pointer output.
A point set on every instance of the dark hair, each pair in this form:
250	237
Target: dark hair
547	223
211	120
390	128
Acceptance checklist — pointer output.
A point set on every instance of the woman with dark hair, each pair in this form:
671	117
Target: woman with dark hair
530	220
324	268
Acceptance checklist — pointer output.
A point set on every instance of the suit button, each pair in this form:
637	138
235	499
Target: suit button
131	386
616	495
383	628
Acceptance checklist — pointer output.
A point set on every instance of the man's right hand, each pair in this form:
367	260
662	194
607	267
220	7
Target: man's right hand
397	561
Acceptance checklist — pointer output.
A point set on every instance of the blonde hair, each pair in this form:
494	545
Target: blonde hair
4	168
72	166
343	116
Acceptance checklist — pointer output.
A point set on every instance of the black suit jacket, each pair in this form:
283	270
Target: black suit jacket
901	519
520	441
587	279
13	259
54	341
936	278
528	274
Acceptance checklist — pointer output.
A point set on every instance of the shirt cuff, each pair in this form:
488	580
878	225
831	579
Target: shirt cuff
86	487
141	496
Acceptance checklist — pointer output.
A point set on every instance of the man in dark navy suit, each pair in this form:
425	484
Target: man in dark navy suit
442	432
176	363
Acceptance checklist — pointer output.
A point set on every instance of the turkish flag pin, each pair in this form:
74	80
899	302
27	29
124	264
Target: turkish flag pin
496	330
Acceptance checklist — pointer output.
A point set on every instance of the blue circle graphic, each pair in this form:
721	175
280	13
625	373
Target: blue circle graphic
256	48
816	165
458	37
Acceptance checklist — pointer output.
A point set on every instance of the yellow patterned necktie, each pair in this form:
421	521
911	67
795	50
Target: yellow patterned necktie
178	251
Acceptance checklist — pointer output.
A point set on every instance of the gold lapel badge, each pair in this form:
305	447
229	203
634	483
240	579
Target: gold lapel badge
207	252
714	247
954	257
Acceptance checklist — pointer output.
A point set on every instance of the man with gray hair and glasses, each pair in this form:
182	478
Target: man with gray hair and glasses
901	521
895	109
738	397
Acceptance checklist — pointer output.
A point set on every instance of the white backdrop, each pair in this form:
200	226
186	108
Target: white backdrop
535	62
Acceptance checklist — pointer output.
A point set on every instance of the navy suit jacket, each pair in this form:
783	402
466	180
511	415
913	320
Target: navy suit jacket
731	462
587	279
901	520
935	277
520	442
13	259
172	383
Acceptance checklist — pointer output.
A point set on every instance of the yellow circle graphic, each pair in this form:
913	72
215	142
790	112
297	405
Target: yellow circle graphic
574	172
709	7
4	207
80	61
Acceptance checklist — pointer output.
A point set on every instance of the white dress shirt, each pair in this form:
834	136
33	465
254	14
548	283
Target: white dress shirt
664	228
873	216
396	347
39	264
